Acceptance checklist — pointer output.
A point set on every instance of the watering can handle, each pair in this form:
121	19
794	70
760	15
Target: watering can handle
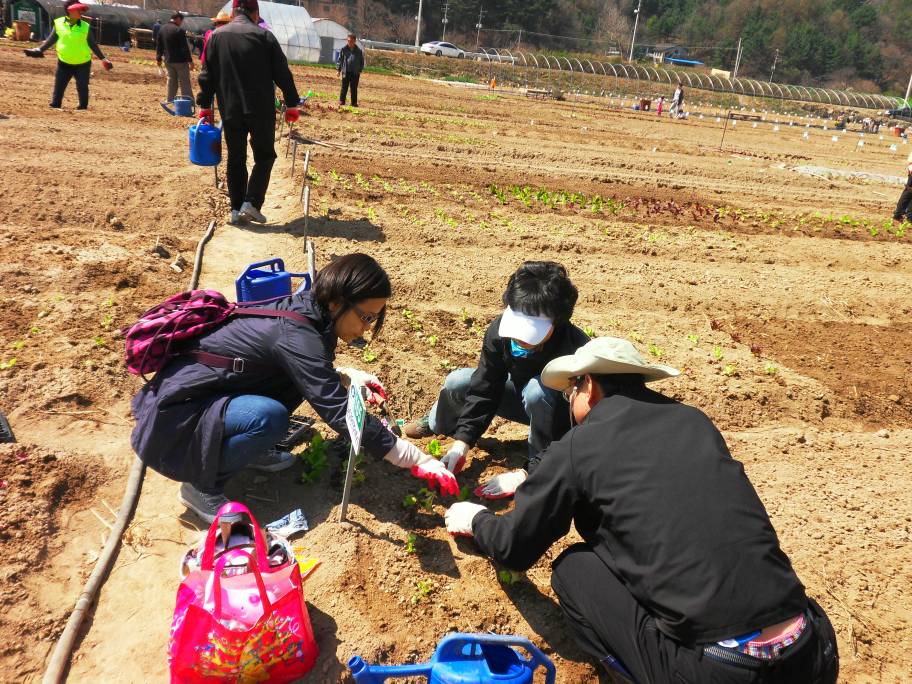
456	641
363	673
269	262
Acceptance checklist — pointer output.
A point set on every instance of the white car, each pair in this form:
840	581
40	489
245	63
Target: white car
441	49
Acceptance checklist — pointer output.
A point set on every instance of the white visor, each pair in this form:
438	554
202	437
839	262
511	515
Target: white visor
527	329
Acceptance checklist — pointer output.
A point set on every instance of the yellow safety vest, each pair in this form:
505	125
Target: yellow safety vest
72	41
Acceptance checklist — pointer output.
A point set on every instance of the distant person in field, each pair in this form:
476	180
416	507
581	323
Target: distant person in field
677	103
679	577
660	106
75	45
174	50
533	329
243	64
218	21
350	66
156	28
904	206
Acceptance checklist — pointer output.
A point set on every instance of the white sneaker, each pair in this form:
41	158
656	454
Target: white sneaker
251	213
237	218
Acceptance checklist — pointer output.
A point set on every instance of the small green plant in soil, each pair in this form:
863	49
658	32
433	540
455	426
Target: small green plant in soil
18	344
693	339
434	448
717	353
509	577
409	501
730	369
589	330
358	476
465	493
656	350
368	355
99	341
426	498
635	336
9	363
432	340
107	321
410	542
314	459
770	369
424	588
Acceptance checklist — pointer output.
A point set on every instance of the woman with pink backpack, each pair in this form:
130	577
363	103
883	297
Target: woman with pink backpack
222	400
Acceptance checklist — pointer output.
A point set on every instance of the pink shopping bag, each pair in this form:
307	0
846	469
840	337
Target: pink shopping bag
244	628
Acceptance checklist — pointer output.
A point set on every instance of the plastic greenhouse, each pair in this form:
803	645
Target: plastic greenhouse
293	27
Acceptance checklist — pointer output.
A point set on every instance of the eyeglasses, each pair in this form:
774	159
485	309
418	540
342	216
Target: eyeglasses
366	318
573	389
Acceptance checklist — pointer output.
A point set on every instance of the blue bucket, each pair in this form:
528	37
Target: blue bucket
257	283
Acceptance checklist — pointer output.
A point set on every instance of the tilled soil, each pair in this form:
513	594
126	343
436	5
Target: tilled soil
782	296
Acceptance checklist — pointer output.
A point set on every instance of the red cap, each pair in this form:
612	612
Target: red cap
75	6
249	5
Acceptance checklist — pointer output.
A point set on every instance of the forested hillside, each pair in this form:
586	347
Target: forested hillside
845	43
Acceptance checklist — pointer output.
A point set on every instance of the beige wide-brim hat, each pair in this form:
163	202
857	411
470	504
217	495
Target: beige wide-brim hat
603	356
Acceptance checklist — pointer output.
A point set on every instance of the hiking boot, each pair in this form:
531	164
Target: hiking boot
272	461
251	213
418	429
206	506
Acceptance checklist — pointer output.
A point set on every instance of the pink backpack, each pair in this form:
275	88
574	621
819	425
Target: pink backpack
182	317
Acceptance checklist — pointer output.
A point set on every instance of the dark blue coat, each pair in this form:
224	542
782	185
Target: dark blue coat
179	415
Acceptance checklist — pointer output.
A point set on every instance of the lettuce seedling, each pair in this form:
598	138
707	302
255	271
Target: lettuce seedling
410	541
434	448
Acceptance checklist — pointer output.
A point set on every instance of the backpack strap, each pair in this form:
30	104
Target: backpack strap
237	364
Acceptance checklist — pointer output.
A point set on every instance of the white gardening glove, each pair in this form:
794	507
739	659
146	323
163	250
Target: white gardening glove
455	458
459	518
501	486
376	392
406	455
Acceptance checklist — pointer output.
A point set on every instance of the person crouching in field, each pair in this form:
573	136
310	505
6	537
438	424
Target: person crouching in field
534	328
904	206
680	576
223	404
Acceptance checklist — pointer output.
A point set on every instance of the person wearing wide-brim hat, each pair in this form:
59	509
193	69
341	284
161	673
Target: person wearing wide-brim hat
218	21
679	576
75	46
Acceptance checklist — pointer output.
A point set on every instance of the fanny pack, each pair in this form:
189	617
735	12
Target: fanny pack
734	654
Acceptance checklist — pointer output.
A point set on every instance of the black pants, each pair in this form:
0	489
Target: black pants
607	621
261	130
350	80
82	73
904	206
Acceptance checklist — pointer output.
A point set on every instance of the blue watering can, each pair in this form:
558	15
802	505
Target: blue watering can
183	106
465	659
254	284
205	144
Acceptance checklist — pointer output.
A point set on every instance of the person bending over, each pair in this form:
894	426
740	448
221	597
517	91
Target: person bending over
534	328
224	403
680	576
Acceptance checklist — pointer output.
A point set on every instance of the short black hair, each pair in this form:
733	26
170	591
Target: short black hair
611	383
177	15
542	288
351	279
352	35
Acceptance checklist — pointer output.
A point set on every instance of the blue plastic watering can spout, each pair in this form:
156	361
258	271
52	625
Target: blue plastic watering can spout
164	105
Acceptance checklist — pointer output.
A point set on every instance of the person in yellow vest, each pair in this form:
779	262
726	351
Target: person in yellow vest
75	46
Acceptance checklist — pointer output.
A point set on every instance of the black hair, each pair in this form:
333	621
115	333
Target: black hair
351	35
542	288
177	15
612	383
351	279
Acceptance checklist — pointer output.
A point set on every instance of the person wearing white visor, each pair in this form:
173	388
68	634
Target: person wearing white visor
679	575
533	329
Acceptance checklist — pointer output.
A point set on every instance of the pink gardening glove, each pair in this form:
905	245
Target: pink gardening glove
436	473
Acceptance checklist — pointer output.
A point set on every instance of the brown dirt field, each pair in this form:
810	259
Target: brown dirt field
781	295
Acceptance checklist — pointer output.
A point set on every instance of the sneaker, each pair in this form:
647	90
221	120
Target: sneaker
237	218
418	429
206	506
251	213
272	461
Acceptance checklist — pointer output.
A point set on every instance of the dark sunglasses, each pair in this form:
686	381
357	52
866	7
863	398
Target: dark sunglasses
366	318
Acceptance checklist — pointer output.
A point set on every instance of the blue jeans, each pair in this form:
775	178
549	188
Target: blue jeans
253	424
532	405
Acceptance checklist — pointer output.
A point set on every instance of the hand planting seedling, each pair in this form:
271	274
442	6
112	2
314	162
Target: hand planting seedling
314	458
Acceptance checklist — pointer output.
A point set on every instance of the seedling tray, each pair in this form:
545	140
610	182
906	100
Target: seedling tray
299	430
6	432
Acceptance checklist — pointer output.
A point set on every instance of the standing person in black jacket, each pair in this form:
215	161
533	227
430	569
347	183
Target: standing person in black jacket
242	63
173	48
534	329
680	577
351	64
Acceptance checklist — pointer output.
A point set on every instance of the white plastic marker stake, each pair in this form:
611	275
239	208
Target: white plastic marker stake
806	136
835	138
893	148
718	120
775	129
754	125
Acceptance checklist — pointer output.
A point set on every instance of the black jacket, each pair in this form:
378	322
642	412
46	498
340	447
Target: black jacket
179	415
651	486
172	44
242	63
496	364
351	61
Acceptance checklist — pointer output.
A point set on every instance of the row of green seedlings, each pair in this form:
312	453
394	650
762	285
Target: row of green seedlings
552	199
98	341
815	222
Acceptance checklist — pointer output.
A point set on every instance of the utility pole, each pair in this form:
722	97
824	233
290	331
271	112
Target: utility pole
773	70
446	8
636	20
418	21
737	59
908	91
481	13
519	42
